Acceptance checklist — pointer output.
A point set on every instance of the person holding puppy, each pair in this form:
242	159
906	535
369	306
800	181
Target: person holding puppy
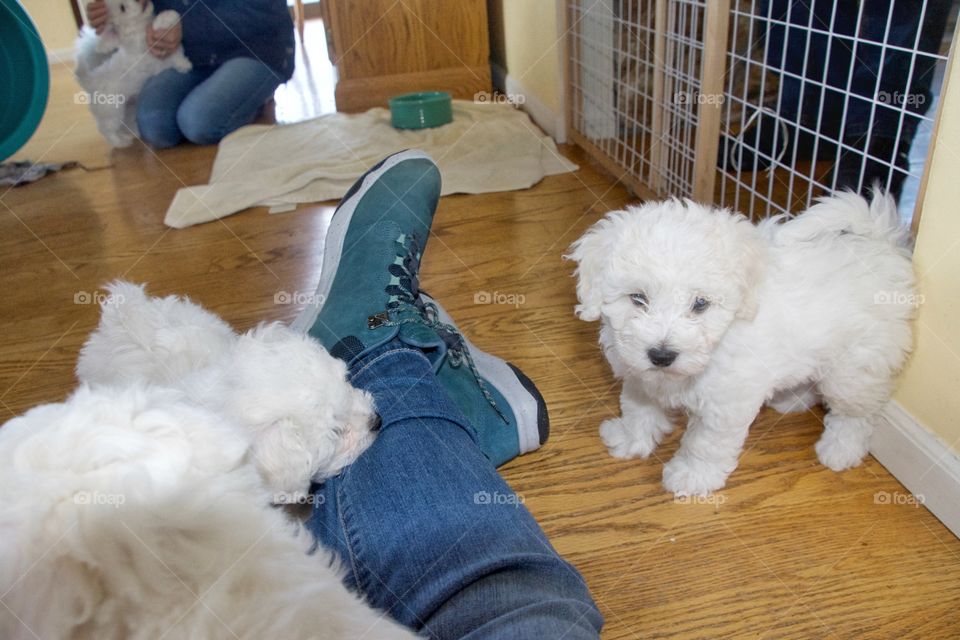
241	52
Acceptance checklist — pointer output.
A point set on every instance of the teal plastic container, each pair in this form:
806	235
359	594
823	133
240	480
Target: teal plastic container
24	78
421	110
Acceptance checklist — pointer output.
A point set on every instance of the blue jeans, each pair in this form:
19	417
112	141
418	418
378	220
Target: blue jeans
204	104
428	530
874	72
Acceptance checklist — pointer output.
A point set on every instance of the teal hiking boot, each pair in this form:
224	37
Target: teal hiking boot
369	294
502	403
371	259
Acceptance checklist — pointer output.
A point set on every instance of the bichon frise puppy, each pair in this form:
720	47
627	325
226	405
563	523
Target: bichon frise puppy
134	513
706	313
112	67
305	420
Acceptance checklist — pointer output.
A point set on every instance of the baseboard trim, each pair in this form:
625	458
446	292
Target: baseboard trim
359	94
552	123
925	464
61	56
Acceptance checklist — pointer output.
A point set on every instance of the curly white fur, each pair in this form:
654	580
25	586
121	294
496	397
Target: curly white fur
287	393
787	313
113	66
133	513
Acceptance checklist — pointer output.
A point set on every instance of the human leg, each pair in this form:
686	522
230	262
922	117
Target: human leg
431	533
229	98
891	90
158	103
422	521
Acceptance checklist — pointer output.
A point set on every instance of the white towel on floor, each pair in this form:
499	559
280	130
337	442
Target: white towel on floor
487	147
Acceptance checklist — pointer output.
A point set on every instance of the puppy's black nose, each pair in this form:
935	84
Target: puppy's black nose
661	356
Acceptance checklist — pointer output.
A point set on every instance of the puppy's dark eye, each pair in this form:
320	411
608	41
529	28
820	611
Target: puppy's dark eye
123	8
639	299
700	305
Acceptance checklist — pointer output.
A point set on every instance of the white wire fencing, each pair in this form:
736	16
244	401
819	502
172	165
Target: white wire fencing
758	105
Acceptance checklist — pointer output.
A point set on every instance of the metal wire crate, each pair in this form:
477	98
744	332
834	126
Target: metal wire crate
758	105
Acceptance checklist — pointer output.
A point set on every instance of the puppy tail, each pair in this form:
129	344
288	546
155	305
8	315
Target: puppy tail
848	214
883	221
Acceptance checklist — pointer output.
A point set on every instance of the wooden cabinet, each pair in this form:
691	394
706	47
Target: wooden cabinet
383	48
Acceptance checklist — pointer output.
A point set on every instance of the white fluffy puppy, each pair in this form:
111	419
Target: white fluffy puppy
706	313
134	513
292	397
113	66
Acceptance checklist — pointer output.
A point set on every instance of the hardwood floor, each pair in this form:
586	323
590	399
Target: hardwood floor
788	550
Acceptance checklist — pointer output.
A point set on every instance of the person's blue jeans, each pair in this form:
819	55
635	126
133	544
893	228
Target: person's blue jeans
204	104
891	73
428	530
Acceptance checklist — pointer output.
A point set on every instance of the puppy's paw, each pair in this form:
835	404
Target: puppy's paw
839	455
181	63
684	477
844	443
625	440
119	139
166	20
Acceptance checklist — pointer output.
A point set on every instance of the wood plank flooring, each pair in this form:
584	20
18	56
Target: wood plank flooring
788	550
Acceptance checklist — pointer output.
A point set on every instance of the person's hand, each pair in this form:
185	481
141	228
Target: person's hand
97	14
163	42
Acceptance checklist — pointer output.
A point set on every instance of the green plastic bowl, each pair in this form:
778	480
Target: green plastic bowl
421	110
24	78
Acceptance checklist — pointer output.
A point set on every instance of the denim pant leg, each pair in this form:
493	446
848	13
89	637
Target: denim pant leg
868	71
897	78
801	93
158	103
431	533
229	98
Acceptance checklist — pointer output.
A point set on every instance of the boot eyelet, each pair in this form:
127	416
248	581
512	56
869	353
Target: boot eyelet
378	320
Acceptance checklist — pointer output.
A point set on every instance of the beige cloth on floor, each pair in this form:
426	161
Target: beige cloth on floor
487	147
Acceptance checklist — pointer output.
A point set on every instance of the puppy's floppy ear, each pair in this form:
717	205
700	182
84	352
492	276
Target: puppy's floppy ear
751	254
591	252
285	461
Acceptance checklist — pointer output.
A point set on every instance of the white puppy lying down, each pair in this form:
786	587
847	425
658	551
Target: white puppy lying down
292	397
704	312
134	513
140	507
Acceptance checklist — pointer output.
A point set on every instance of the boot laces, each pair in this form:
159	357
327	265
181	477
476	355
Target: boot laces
405	306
